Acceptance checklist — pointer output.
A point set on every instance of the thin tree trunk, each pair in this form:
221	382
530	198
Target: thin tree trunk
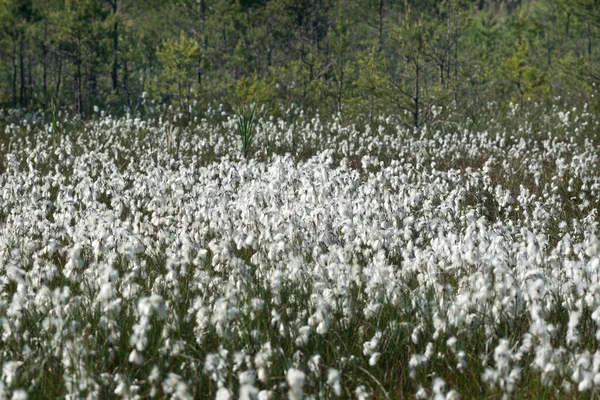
270	50
200	70
126	82
455	58
416	96
257	60
115	35
115	64
150	66
30	74
203	39
588	34
22	91
45	59
548	56
58	79
78	89
380	25
92	87
339	96
448	50
314	33
341	85
449	61
371	107
14	73
44	70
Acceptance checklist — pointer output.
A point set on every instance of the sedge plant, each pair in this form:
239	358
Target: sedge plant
245	122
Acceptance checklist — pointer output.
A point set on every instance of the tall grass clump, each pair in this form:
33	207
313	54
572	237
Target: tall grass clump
245	123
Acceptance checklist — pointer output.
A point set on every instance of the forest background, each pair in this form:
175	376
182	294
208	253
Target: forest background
425	60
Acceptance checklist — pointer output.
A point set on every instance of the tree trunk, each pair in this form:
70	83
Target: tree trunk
448	49
455	58
339	96
371	106
22	91
126	82
92	87
548	56
416	96
380	25
203	39
115	64
30	75
314	24
199	78
45	59
270	51
588	35
341	85
14	73
115	35
58	79
78	89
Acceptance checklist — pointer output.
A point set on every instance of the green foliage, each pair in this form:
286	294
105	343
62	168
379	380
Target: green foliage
321	55
372	81
340	41
582	76
260	90
179	59
416	81
529	84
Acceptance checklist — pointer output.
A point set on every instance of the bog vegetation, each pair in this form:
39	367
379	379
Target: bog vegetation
299	199
156	258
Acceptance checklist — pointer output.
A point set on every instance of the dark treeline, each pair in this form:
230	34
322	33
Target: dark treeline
412	57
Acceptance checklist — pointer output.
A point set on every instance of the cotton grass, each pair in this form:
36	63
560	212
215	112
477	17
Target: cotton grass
439	265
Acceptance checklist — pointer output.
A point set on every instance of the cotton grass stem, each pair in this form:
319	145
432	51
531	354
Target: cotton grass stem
385	393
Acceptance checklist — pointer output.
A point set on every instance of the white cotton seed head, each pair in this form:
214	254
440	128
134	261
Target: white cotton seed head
223	394
136	357
574	318
265	395
421	393
295	379
248	392
333	380
154	375
9	371
374	358
361	393
451	343
314	364
19	394
438	385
